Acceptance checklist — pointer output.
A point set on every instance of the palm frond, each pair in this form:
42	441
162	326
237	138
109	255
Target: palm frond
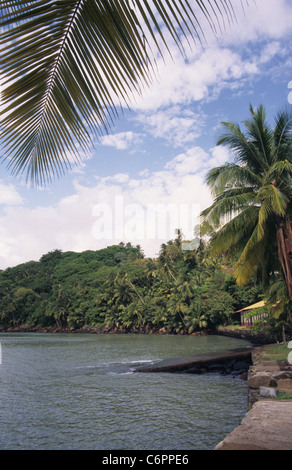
232	175
234	235
273	202
278	299
242	148
67	64
228	204
250	258
283	137
260	136
279	171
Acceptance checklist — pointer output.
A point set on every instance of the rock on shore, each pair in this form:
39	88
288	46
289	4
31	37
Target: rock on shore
234	361
274	375
268	423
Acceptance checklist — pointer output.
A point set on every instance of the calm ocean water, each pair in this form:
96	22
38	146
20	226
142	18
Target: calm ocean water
62	392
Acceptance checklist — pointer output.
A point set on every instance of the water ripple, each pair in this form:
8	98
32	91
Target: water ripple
80	392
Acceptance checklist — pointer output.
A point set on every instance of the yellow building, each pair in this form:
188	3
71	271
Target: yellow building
247	319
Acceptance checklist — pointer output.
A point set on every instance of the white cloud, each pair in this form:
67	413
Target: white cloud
226	61
271	50
200	78
120	178
219	156
9	195
261	20
190	162
122	140
176	125
243	51
26	234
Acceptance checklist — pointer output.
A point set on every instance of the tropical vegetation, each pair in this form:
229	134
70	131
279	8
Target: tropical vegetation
118	289
250	218
68	65
244	255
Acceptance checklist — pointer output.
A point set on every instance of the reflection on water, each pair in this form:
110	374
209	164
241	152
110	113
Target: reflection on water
80	392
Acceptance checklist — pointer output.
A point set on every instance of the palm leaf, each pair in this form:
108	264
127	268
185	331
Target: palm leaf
228	204
260	136
273	202
232	237
232	175
278	168
283	137
251	257
243	147
67	65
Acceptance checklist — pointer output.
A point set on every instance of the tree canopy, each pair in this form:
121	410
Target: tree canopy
118	289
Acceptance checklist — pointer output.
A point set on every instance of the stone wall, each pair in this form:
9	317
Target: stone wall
267	378
256	339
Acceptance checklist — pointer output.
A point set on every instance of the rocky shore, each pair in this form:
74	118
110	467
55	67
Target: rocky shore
245	334
268	423
268	378
257	339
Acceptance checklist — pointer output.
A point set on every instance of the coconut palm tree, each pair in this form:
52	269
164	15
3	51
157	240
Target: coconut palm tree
66	66
252	209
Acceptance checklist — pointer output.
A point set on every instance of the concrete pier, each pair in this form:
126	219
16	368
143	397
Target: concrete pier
267	426
218	360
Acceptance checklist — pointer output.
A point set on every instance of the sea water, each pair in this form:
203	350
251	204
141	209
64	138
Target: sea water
81	392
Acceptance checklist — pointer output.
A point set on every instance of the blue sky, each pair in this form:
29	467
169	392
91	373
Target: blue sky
160	150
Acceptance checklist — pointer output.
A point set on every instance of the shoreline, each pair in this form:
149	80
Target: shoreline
268	423
256	339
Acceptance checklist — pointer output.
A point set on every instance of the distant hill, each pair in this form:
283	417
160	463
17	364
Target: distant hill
118	289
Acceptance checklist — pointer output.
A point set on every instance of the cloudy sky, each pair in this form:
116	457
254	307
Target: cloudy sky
148	175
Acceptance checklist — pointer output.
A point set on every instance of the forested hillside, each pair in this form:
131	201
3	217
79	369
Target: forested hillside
117	288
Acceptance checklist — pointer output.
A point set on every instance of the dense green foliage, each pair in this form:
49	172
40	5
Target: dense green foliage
250	218
252	205
118	288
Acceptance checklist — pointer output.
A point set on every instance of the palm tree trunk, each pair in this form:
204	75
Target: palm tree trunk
284	240
134	288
